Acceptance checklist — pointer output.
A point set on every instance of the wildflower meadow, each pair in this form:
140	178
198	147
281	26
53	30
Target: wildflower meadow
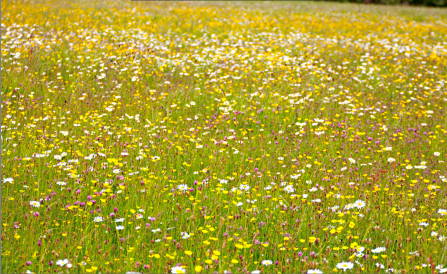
223	137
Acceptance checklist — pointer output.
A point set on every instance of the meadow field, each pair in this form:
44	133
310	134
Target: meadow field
223	137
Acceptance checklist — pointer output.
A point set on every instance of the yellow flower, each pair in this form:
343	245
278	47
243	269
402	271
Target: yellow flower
187	252
234	261
312	240
198	268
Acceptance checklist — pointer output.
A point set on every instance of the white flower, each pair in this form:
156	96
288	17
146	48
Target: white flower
351	160
443	270
360	249
178	269
442	211
185	235
116	171
388	148
120	227
182	187
359	204
314	271
305	196
345	265
289	189
62	262
156	230
437	154
313	189
378	250
64	132
61	183
244	187
8	180
239	204
256	272
409	167
334	208
97	219
423	224
349	206
442	238
192	103
434	234
390	160
34	203
119	220
266	262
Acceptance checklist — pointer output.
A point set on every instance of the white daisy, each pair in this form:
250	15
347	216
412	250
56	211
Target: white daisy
34	203
345	265
97	219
